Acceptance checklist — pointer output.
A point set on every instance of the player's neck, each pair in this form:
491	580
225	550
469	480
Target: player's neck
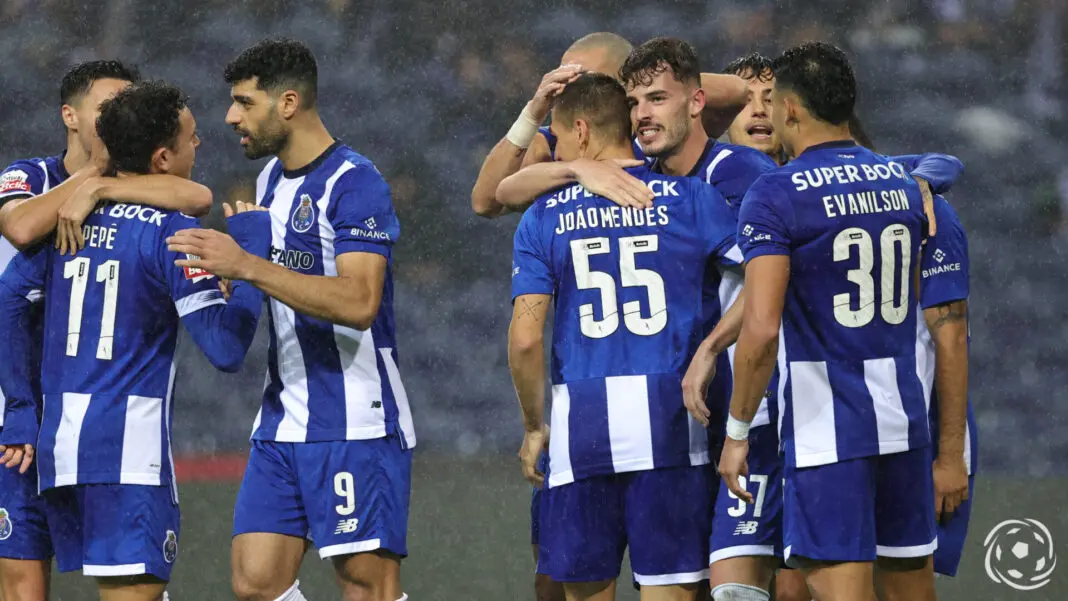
76	157
625	151
307	143
818	133
690	151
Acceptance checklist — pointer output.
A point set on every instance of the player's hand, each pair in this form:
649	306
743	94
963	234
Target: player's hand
20	455
533	444
217	253
928	206
695	383
607	178
732	464
950	484
239	207
552	84
226	287
73	213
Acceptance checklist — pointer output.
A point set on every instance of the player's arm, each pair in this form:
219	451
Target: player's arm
523	145
168	192
725	96
526	359
20	287
764	236
948	324
222	328
938	171
603	178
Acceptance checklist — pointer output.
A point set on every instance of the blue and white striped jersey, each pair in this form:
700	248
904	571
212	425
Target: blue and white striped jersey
23	179
628	289
851	222
111	325
327	381
943	279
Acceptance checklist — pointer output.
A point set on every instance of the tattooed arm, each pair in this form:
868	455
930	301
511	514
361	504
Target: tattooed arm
948	324
526	358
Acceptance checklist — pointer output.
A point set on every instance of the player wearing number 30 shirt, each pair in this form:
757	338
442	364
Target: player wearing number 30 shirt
831	242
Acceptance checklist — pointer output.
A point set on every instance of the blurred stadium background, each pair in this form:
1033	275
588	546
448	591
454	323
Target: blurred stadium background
425	89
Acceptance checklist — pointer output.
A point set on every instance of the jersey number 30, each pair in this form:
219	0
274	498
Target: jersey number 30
630	275
108	273
893	308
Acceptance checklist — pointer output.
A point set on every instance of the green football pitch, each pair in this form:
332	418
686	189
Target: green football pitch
469	536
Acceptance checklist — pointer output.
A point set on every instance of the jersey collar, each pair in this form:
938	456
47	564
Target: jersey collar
696	169
312	166
832	144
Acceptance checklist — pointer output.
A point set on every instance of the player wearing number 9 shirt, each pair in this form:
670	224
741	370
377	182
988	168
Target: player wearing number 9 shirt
831	242
627	285
111	322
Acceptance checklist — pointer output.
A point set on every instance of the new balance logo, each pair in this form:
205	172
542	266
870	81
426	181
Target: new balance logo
348	526
746	528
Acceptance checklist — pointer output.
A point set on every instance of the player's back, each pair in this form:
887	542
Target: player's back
628	290
852	222
108	364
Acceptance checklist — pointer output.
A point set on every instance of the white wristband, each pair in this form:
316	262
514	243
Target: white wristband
523	130
737	429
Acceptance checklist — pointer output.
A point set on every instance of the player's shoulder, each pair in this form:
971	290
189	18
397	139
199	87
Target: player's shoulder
24	176
351	171
946	216
743	155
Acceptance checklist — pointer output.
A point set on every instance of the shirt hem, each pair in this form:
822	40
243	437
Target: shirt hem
637	464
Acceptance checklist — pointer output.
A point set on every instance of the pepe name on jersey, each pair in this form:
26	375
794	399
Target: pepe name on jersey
580	217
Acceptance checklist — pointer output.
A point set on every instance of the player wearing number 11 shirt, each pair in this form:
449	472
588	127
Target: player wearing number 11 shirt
627	285
831	242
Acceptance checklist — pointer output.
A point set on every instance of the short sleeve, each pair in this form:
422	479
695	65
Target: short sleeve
191	288
531	265
940	170
735	172
762	222
361	213
21	179
716	222
944	264
25	273
550	139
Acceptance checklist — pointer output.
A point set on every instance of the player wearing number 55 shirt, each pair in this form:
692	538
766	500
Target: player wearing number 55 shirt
627	284
831	242
111	321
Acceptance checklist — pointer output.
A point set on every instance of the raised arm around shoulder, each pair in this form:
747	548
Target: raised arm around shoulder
504	160
603	178
725	95
26	221
168	192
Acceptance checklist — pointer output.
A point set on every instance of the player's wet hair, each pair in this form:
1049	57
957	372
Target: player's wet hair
859	135
821	76
77	82
598	99
658	55
278	64
754	65
138	121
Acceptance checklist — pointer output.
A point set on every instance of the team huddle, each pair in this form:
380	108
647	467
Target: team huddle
788	310
111	262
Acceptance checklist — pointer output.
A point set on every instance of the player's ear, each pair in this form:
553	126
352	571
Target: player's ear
697	102
790	110
70	116
161	160
582	132
288	103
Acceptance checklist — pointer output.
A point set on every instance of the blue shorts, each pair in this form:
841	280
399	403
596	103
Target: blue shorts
114	529
347	496
23	527
743	530
951	535
663	515
857	509
535	501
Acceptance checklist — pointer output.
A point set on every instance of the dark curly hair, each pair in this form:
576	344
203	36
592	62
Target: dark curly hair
278	64
820	74
81	77
600	100
138	121
751	66
658	55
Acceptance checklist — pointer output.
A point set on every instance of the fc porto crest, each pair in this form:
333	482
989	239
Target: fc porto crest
5	524
304	216
170	547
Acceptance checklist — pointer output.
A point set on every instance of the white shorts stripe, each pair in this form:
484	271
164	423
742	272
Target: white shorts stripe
905	552
669	579
741	551
128	569
350	548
